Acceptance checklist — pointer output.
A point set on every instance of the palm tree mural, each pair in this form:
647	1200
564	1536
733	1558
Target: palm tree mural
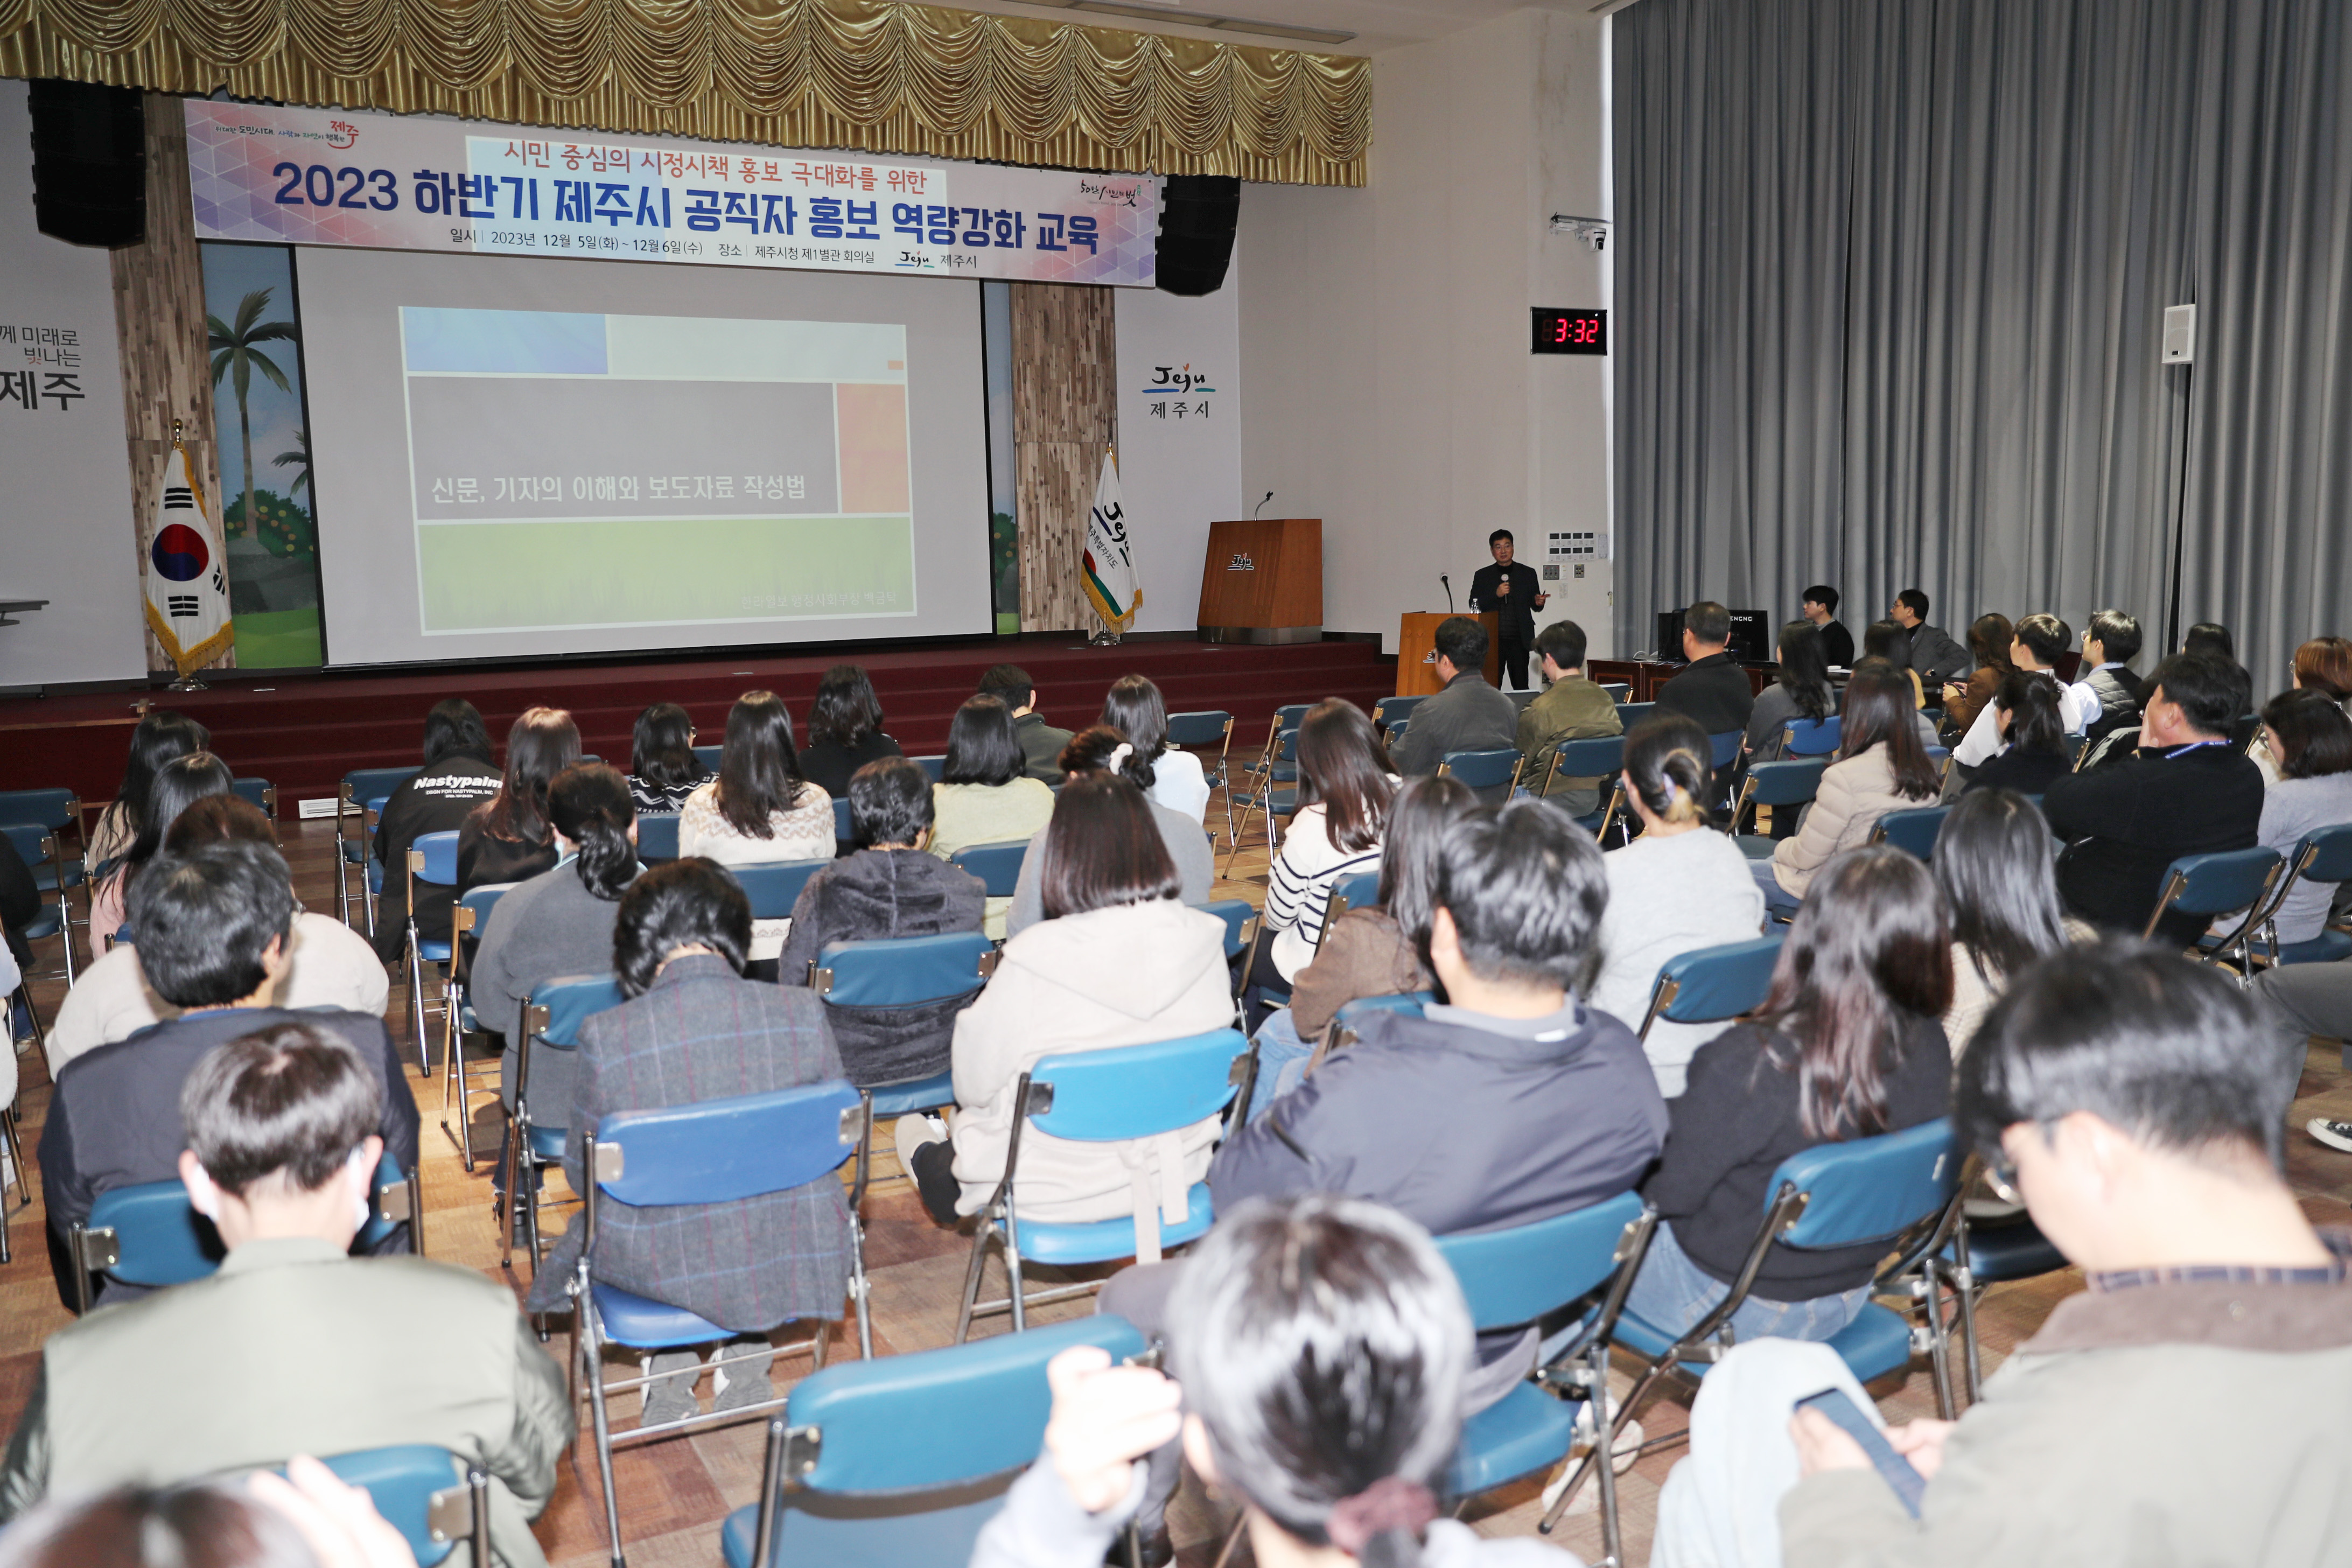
236	356
300	460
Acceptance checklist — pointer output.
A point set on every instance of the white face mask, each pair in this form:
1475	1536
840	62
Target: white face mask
363	1175
205	1196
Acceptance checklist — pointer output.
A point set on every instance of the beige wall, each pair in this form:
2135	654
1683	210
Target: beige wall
1385	331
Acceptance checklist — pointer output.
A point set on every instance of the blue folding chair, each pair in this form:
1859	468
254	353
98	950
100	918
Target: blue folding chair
1515	1277
1236	913
38	846
1357	890
904	972
147	1235
998	865
59	810
432	858
902	1460
845	829
658	837
1992	1252
1102	1097
551	1017
1268	794
1620	691
1598	757
708	756
714	1151
1202	731
1390	711
1784	786
1491	775
1632	713
1813	737
1727	746
934	766
259	792
774	888
1712	985
1866	1191
362	794
433	1497
2218	884
459	1084
1914	831
2323	855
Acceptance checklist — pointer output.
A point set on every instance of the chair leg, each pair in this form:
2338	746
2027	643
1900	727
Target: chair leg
1604	1432
416	999
454	1080
592	1371
16	1152
511	1167
1971	1366
971	1274
860	1288
1561	1492
1940	1348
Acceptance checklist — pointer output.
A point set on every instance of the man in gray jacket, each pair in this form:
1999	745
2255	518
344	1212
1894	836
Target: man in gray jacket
1927	650
1467	716
2120	1092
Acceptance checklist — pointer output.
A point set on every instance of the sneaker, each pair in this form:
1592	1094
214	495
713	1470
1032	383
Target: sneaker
912	1133
671	1398
743	1384
2335	1135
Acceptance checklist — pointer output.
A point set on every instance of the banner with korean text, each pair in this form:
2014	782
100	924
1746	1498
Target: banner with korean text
317	177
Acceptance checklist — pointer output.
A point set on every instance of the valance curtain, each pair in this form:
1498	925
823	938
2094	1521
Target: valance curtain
868	74
1892	281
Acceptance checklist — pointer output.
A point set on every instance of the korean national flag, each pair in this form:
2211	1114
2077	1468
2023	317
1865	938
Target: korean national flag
1108	567
187	574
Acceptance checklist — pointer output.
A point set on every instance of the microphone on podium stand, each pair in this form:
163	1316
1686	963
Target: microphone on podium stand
1261	505
1449	593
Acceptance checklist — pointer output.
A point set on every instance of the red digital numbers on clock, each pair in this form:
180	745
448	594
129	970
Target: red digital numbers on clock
1562	332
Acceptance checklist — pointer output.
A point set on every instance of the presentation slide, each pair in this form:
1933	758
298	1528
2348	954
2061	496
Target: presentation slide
500	472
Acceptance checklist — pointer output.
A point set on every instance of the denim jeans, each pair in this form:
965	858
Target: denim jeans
1778	900
1671	1292
1282	1058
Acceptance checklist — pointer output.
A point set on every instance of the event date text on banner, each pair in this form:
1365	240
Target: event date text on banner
315	176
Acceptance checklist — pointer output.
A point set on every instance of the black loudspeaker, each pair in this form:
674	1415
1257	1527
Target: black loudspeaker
90	162
1197	213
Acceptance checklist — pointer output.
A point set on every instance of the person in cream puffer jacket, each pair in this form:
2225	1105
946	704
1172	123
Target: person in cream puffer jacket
1881	747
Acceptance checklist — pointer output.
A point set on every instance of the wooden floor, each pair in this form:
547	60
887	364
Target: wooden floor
675	1493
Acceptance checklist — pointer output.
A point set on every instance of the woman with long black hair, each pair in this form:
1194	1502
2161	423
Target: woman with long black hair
1169	776
759	810
506	838
844	731
177	786
2033	736
663	768
1800	691
1997	869
1881	766
161	736
1344	791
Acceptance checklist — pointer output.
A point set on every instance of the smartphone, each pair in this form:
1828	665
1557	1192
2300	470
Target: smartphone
1909	1485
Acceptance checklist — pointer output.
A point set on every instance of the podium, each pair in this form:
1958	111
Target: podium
1417	652
1263	582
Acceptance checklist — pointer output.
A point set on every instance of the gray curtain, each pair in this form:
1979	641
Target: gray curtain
1890	284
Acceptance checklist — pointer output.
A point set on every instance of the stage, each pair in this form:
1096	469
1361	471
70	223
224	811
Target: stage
304	732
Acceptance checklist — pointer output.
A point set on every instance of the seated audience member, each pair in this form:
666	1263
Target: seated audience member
2293	1002
1344	790
179	784
2213	638
2323	665
161	736
1326	1469
1116	962
844	731
1168	775
2307	737
2120	1093
2034	651
291	1347
328	964
1041	743
1711	688
1928	652
1371	951
309	1519
1099	749
2108	648
1800	689
505	838
557	924
215	927
985	795
1848	1045
1466	714
663	769
694	1029
1681	886
1818	607
2031	735
458	776
1883	640
2187	792
758	811
892	887
1994	867
1989	639
1570	708
1881	767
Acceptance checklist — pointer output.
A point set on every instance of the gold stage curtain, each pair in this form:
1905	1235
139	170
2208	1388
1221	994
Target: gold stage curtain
873	75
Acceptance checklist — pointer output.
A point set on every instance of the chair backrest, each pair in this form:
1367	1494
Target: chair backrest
34	844
930	1419
2325	855
2217	883
1290	715
1211	728
1482	770
2072	744
259	792
1356	891
708	756
723	1151
1285	745
433	858
1914	831
1517	1276
1813	737
478	903
1396	709
1352	1014
1632	713
903	970
774	888
158	1238
1236	913
1708	983
998	865
1870	1189
934	766
52	808
422	1492
558	1007
1136	1091
1727	746
844	827
1939	755
658	837
1790	782
363	785
1598	757
1620	691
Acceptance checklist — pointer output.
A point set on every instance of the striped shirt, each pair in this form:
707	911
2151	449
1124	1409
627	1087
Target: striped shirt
1298	893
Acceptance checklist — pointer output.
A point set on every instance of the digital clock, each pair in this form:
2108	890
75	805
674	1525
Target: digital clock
1570	331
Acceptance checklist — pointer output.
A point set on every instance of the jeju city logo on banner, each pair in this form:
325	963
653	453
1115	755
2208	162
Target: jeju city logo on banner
316	176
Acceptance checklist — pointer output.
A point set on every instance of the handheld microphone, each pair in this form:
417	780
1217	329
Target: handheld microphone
1261	505
1449	591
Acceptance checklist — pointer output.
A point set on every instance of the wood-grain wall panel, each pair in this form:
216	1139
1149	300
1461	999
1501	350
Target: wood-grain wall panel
1064	417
